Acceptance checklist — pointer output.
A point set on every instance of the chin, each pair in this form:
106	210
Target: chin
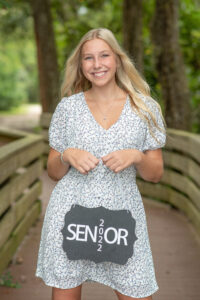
101	83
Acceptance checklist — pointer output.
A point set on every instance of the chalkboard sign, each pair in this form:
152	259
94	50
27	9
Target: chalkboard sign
99	234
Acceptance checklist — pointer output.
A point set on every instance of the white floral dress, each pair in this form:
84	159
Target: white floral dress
73	125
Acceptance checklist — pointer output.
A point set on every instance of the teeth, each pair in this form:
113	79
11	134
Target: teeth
99	74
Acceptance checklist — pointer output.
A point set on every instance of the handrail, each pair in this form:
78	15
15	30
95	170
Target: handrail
180	184
21	165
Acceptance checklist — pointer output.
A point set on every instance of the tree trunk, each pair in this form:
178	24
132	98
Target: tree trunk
132	31
170	65
46	55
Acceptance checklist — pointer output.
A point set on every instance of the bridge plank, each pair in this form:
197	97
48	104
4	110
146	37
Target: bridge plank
12	190
182	163
183	184
17	212
26	152
163	193
184	141
8	250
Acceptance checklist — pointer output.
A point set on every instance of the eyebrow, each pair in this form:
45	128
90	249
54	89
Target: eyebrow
91	53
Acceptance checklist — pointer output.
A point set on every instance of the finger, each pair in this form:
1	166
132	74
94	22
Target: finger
118	169
86	166
82	171
115	166
90	164
106	157
94	160
110	162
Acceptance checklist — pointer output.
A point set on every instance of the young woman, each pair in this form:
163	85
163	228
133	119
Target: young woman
105	127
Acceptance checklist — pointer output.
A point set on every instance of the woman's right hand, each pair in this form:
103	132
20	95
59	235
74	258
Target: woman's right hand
80	159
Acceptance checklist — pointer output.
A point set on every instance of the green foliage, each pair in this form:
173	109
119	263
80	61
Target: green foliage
4	4
71	20
16	20
17	74
18	67
7	280
11	78
189	22
90	14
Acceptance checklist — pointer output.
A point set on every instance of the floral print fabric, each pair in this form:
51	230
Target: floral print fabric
73	126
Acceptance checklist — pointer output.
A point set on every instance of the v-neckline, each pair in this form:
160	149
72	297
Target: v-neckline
97	123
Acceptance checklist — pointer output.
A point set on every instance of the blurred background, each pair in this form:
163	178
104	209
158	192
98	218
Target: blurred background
162	38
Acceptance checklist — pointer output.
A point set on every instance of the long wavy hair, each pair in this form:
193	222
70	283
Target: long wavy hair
127	77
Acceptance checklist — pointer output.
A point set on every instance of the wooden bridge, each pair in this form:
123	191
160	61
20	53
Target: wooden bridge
172	207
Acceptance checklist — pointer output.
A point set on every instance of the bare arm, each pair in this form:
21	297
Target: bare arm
80	159
55	169
150	165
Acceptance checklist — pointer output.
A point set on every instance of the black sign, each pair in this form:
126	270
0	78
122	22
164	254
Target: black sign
99	234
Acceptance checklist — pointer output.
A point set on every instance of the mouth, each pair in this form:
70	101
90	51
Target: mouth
99	74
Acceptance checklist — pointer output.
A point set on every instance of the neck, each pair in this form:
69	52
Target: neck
106	94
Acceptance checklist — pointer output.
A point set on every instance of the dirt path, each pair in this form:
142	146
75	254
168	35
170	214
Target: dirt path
26	121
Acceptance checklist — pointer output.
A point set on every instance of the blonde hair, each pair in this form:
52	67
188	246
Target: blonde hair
127	76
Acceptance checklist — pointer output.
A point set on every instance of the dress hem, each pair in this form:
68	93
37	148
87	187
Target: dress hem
98	281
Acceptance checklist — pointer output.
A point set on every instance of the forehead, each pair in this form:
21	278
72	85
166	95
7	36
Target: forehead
95	46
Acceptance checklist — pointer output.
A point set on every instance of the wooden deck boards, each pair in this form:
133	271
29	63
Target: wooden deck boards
175	248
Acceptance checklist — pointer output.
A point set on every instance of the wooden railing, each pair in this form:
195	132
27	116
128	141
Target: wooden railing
21	165
180	184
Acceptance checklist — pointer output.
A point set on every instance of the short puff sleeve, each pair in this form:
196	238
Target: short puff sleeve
150	143
57	128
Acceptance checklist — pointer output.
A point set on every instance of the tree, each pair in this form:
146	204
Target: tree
46	54
132	31
170	65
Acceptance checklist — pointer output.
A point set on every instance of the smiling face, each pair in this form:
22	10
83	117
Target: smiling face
98	62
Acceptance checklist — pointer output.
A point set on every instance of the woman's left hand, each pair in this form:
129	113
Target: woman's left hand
121	159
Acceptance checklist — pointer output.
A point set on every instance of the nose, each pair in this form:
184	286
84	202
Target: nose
96	63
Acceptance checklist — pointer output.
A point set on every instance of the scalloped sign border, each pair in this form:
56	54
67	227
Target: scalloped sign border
99	234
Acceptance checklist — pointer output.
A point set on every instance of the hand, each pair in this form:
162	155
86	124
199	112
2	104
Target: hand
121	159
80	159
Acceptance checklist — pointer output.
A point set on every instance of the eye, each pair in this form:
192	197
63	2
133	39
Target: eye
88	57
105	55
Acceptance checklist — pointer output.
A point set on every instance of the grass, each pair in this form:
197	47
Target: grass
7	280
